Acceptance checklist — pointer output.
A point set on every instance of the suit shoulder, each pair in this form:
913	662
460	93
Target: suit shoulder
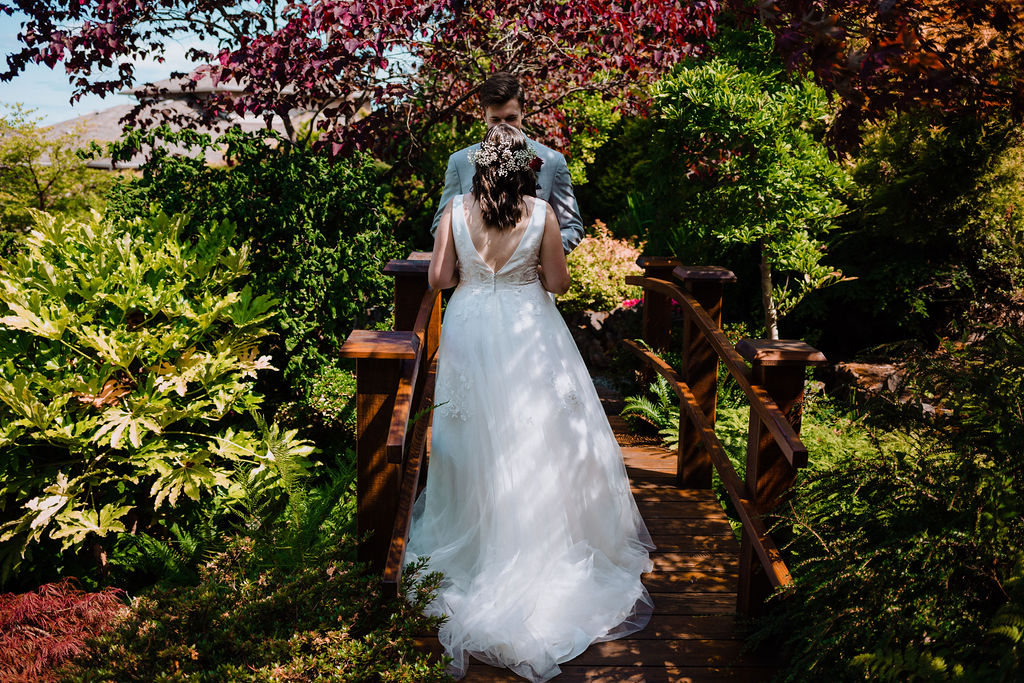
547	153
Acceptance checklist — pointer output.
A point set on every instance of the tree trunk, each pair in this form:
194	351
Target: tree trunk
771	314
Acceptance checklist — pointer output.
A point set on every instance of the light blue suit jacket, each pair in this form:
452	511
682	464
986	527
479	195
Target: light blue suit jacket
553	185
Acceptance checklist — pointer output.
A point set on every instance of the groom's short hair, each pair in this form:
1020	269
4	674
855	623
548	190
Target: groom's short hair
500	88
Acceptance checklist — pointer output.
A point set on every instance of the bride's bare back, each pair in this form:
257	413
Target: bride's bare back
496	246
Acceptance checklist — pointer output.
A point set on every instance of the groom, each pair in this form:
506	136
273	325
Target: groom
502	99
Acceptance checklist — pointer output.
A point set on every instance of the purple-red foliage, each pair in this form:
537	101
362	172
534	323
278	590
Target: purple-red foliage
950	56
42	628
410	63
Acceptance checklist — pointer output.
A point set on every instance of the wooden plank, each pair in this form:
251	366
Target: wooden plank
690	527
410	266
780	352
691	582
700	626
707	273
697	561
694	602
681	652
679	509
403	408
651	475
660	491
571	673
410	372
683	543
407	494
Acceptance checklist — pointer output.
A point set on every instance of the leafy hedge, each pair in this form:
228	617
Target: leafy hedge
320	236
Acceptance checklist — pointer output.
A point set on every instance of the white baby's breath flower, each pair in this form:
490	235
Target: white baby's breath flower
501	153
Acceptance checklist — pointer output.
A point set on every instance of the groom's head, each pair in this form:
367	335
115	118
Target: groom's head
502	99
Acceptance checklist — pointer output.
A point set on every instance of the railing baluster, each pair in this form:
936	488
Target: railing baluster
700	370
779	367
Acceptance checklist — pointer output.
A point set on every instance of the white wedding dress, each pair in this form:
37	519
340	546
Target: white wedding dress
527	508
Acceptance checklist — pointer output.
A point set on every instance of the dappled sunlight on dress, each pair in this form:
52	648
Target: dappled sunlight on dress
527	509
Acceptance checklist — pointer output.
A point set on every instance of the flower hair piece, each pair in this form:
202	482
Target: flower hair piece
500	153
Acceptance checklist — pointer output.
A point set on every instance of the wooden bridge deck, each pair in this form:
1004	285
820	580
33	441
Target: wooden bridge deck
694	635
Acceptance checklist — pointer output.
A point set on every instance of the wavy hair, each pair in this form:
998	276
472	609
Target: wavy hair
500	196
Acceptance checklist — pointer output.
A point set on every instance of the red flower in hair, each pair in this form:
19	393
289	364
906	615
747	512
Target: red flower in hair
536	163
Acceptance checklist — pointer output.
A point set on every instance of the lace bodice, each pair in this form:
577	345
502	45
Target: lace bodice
521	267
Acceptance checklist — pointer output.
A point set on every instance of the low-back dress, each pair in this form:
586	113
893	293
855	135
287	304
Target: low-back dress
527	509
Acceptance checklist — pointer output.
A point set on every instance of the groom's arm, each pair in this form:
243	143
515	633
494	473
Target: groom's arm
452	187
567	211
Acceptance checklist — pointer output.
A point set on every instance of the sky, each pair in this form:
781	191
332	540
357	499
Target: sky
47	90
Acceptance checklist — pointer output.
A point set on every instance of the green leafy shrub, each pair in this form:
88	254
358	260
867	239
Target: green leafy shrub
41	171
127	359
730	169
251	619
320	237
935	232
906	555
598	267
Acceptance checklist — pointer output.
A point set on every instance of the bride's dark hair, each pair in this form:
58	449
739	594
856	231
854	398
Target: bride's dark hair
500	196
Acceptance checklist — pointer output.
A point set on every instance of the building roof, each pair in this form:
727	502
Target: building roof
104	125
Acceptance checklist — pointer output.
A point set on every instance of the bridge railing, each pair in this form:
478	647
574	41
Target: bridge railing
395	385
395	371
773	383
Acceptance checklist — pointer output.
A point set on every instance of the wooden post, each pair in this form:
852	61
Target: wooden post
657	311
410	285
700	370
379	356
779	367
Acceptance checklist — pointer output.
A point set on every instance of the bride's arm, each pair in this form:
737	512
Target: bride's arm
441	274
553	270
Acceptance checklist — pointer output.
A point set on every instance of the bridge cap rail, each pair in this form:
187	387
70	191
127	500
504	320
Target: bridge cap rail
381	345
779	352
704	273
417	263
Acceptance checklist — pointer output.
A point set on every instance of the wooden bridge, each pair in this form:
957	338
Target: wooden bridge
705	583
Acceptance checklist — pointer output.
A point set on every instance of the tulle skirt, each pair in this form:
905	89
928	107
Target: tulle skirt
527	509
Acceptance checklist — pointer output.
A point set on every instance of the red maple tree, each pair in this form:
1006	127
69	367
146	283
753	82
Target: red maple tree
377	70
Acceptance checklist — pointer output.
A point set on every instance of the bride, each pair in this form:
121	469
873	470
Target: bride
527	510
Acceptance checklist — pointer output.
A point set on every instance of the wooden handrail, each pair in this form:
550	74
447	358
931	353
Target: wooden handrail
407	381
414	466
769	555
792	446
